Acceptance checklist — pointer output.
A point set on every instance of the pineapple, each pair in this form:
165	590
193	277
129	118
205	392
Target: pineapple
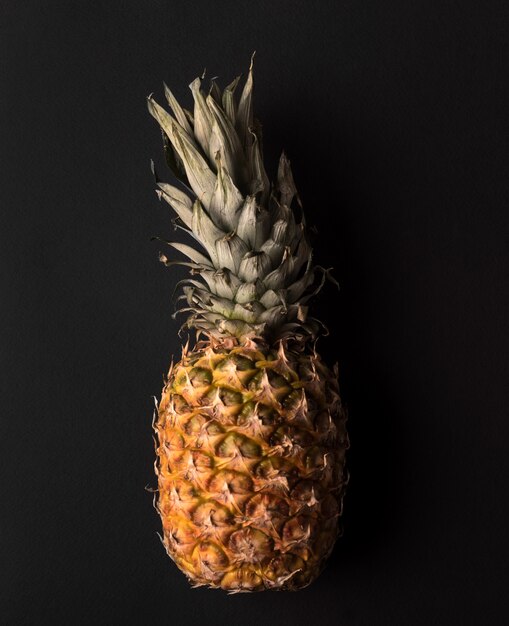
250	429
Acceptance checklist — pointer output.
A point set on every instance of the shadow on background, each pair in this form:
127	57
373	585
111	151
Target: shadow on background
333	189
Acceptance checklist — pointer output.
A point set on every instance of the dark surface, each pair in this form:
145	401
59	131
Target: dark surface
395	118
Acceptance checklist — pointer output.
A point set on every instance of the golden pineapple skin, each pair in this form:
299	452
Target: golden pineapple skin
251	448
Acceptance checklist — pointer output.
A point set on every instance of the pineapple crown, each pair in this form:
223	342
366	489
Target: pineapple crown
253	275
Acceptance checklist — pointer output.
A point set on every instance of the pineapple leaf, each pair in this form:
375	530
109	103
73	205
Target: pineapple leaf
202	117
225	138
285	183
221	282
298	311
215	91
279	231
258	175
229	104
230	250
226	199
295	291
214	303
273	316
253	271
254	266
245	314
206	231
244	119
247	292
270	299
201	178
246	227
191	253
254	223
178	200
277	278
190	116
173	161
274	250
178	111
302	255
168	263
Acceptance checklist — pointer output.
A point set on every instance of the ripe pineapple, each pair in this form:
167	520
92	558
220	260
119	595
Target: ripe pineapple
251	435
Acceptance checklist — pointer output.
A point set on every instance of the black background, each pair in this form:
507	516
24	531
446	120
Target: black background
394	115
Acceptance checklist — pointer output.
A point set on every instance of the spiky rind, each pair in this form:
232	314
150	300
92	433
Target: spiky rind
251	448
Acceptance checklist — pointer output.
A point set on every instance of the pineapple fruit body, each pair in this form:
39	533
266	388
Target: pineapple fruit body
250	466
250	430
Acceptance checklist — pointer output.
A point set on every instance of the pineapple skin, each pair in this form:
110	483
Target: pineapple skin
251	446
